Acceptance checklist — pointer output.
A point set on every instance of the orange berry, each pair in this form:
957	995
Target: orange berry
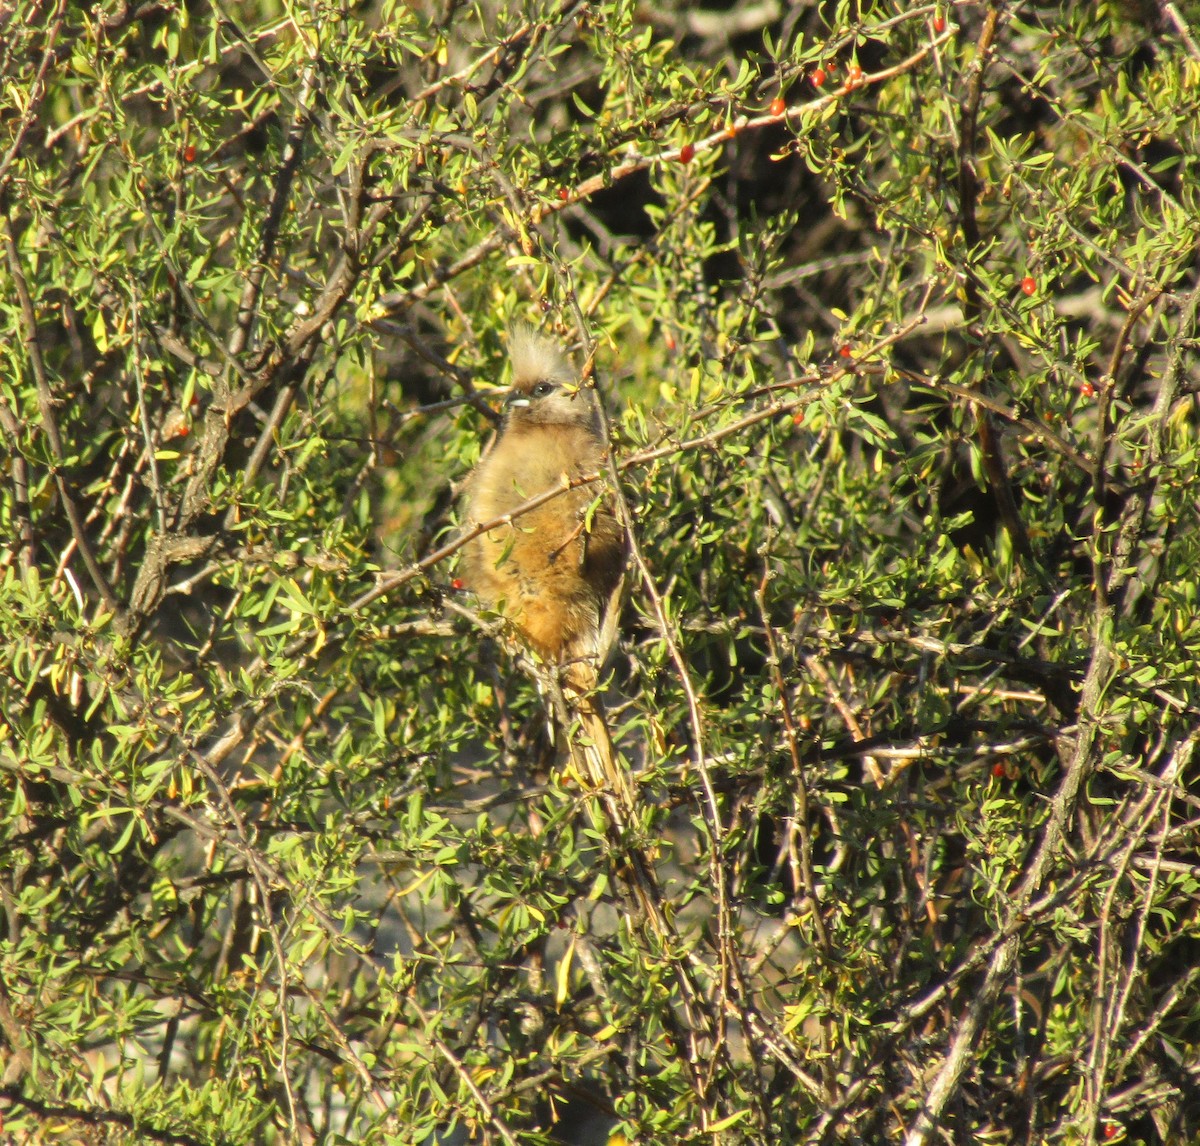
939	23
845	350
564	194
687	153
457	584
778	106
854	75
819	77
1029	284
189	153
1087	389
798	418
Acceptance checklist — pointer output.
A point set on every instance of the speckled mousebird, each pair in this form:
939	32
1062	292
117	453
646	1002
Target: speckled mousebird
556	570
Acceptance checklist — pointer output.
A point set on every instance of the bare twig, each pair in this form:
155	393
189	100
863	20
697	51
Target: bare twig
789	727
46	405
20	480
32	97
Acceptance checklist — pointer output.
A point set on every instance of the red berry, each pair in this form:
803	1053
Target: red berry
457	584
189	153
1087	389
845	350
854	75
1029	284
999	771
1110	1130
687	153
798	418
939	23
564	194
778	105
818	77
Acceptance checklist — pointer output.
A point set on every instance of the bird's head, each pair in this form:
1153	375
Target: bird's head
546	391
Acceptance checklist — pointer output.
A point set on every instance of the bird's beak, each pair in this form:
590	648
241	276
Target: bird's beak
516	398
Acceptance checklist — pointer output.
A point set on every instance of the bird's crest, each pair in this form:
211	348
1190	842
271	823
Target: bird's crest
536	358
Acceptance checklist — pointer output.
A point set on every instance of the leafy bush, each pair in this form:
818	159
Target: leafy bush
894	314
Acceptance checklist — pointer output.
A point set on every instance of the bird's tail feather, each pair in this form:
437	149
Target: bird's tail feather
592	749
595	759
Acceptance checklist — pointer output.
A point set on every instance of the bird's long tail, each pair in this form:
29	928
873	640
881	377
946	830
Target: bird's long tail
591	746
594	758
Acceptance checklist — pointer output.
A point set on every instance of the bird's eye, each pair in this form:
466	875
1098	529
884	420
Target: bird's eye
542	389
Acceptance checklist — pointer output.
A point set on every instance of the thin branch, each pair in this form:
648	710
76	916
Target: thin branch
20	481
32	98
46	402
268	923
968	193
93	1116
288	166
802	808
635	162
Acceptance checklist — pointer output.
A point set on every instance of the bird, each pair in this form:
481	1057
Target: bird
554	568
555	571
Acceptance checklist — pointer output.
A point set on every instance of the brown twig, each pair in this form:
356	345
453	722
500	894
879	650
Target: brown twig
46	403
775	666
396	301
968	193
32	98
1103	439
97	1116
20	481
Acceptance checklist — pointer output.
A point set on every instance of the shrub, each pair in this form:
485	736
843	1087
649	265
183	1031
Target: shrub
893	312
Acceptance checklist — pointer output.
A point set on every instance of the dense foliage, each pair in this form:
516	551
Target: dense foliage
895	314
